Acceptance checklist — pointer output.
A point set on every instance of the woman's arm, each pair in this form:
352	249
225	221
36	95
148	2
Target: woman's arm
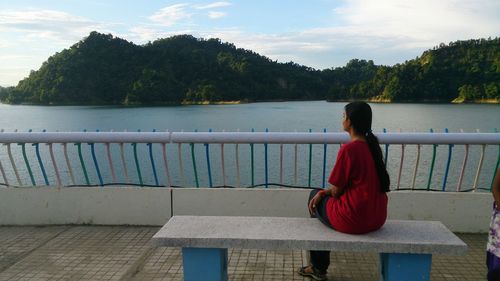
335	191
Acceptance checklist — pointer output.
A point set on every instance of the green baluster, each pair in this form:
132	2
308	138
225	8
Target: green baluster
434	146
82	163
27	164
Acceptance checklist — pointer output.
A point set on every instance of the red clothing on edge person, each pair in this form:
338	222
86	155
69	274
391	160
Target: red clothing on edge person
362	207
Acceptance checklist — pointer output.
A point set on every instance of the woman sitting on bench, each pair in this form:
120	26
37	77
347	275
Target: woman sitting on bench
356	203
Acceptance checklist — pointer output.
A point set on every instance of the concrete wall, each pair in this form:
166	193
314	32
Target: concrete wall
84	205
461	212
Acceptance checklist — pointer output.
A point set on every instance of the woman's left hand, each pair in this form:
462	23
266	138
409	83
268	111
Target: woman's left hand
315	202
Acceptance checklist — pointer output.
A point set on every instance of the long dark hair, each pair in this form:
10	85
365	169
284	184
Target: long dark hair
360	115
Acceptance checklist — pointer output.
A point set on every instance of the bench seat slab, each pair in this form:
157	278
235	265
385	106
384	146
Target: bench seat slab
204	264
407	267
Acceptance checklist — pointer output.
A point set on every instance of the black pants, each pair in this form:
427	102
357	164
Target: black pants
320	259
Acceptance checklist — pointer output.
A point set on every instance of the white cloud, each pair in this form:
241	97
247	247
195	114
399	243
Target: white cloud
31	36
36	16
423	22
60	26
213	5
170	15
216	15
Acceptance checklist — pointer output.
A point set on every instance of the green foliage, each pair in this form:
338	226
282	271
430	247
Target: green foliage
102	69
467	70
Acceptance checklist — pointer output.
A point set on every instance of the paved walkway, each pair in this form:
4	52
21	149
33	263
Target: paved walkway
124	253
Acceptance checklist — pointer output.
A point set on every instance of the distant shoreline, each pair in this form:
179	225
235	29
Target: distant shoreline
373	100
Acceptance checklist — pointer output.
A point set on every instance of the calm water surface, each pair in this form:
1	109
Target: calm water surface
276	116
285	116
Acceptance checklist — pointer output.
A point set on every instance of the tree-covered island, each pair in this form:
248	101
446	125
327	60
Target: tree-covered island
103	69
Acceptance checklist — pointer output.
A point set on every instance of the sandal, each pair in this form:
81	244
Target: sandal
315	274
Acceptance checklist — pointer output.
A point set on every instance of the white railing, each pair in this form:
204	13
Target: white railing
286	160
243	137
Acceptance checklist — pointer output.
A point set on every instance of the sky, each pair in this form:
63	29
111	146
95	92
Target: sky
316	33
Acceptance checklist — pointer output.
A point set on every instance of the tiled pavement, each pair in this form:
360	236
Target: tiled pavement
124	253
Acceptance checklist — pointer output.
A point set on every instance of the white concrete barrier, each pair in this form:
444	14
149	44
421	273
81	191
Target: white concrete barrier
270	202
460	212
85	205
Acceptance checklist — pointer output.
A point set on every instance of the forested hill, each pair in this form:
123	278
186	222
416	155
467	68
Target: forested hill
102	69
461	71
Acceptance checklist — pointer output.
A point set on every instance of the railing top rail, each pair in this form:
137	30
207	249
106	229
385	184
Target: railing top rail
243	137
85	137
334	138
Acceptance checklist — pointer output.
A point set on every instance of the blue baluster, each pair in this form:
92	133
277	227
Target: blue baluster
252	161
150	146
94	158
386	150
37	151
450	151
265	159
324	161
208	163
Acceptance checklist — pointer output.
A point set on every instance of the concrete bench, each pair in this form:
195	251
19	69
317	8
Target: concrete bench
405	247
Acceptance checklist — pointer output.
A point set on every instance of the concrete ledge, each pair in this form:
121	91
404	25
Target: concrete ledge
240	202
461	212
272	233
85	205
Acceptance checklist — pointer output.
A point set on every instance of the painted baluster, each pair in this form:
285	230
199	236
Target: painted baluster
207	152
124	163
434	146
476	179
82	163
165	164
310	163
281	163
13	163
110	162
252	161
238	183
4	175
23	149
324	162
152	160
386	154
416	166
222	162
265	162
94	158
68	164
181	166
462	171
401	164
54	164
496	166
193	159
295	164
40	162
137	166
448	162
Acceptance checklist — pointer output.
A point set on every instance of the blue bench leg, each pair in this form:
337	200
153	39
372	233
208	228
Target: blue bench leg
407	267
204	264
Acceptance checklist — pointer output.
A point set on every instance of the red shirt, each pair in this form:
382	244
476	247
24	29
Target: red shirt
362	207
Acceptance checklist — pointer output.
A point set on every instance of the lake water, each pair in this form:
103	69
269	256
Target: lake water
285	116
275	116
